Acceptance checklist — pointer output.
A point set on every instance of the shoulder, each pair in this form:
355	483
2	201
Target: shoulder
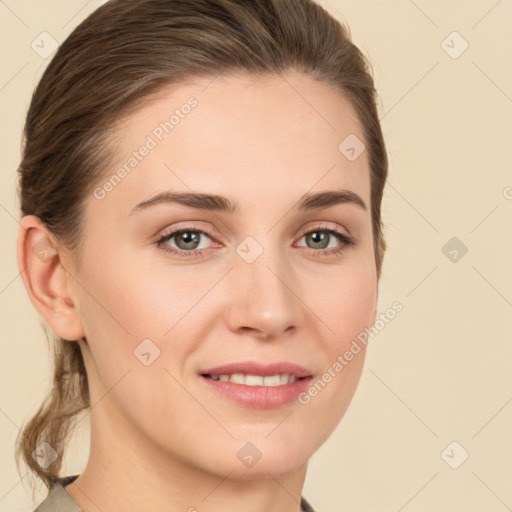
58	499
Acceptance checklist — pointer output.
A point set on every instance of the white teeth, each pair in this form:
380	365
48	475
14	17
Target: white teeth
237	378
273	380
256	380
253	380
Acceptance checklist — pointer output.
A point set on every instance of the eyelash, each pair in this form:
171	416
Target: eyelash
346	241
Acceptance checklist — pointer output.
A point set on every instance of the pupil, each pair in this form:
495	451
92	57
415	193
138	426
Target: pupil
191	240
319	237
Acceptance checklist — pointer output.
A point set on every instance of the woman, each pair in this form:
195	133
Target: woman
200	191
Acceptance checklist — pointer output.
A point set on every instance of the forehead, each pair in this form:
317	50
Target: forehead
257	138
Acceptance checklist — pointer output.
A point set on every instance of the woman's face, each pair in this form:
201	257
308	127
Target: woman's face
258	285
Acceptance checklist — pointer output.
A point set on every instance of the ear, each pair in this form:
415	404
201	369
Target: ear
48	284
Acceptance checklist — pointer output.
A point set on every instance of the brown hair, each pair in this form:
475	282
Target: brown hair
123	53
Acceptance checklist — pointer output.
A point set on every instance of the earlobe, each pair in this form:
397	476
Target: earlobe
45	278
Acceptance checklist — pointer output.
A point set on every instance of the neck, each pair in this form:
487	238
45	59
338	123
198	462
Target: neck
126	472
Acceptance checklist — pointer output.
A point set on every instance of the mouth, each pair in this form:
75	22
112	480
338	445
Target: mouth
256	385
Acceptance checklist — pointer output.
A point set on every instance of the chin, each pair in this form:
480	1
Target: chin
261	457
268	467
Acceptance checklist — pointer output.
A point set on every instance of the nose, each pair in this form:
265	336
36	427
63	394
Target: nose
264	302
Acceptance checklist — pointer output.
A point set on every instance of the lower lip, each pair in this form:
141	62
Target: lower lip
259	397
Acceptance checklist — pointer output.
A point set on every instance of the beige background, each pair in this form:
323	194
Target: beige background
441	370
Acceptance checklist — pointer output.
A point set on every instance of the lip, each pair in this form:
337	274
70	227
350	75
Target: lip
258	397
264	370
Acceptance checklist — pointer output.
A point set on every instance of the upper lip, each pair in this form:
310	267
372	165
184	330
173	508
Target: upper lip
264	370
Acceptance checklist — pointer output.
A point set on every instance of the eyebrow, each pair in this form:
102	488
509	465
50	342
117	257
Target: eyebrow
202	201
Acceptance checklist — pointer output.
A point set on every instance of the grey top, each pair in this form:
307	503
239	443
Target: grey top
59	500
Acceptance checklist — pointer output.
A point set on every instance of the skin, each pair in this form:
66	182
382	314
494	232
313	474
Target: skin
160	439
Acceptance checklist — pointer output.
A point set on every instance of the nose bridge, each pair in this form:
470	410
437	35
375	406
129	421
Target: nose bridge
263	301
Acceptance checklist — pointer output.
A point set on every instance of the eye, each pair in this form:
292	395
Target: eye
327	241
185	242
191	242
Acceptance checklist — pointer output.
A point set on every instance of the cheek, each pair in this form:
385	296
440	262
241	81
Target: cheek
136	312
134	298
345	304
127	307
346	310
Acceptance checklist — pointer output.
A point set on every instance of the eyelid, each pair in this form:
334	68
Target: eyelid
323	224
187	226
